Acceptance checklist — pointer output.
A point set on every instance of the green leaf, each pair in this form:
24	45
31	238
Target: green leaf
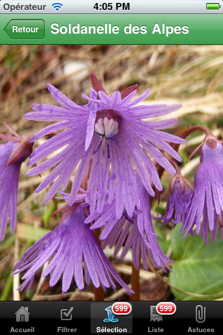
9	282
198	269
184	156
7	242
31	233
161	234
7	289
46	216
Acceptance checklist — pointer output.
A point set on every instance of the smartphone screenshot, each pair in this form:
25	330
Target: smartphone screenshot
111	166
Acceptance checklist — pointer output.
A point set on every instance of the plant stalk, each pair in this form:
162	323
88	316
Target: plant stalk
135	283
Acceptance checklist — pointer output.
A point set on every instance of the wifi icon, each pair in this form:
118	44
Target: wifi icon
57	6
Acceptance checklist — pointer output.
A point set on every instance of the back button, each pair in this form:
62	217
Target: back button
25	29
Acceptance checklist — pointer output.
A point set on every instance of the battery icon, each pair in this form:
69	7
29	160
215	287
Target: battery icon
213	6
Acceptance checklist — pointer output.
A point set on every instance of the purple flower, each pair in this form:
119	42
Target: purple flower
205	207
136	232
66	248
111	135
178	198
12	154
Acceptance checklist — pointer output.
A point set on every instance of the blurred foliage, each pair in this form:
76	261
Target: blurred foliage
162	234
198	269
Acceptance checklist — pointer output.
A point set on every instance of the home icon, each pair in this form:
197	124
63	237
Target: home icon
22	315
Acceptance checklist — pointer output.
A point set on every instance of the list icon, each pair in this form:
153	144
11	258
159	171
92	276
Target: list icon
154	315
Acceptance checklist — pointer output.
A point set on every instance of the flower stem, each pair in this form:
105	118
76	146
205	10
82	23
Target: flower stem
12	130
183	133
99	294
135	285
175	166
190	130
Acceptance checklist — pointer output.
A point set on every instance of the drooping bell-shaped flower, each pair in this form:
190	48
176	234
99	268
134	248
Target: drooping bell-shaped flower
177	202
134	233
73	253
205	208
12	154
111	135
